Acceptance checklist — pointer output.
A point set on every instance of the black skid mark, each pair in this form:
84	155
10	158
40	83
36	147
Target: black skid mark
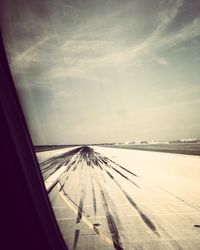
94	198
62	186
52	164
80	207
57	159
52	187
70	165
110	175
77	161
72	201
75	167
100	167
95	225
76	236
172	241
124	176
144	217
124	168
103	178
111	224
88	156
50	171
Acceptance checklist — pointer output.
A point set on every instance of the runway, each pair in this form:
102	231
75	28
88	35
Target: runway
106	198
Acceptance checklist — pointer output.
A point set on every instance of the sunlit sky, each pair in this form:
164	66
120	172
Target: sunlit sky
106	71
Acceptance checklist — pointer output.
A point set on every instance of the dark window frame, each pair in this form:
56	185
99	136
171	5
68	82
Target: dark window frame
28	218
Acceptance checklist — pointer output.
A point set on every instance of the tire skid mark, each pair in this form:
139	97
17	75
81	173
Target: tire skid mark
110	175
95	225
60	158
52	171
66	195
100	167
67	169
103	178
81	154
75	167
66	154
172	241
76	236
51	188
54	163
62	162
44	170
67	162
84	218
124	168
70	165
113	207
77	161
94	198
126	177
80	207
62	186
111	224
143	216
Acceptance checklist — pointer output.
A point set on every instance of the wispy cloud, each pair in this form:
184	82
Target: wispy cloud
28	54
65	49
110	53
77	56
80	57
158	40
162	61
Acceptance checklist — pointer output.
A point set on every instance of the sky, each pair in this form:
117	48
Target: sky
105	71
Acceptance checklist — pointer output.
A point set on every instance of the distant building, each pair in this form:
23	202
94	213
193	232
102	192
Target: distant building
190	140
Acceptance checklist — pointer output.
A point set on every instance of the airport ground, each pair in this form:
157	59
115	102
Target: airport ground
112	198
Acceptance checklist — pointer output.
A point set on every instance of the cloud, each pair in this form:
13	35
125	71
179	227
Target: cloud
150	44
188	32
162	61
28	54
83	54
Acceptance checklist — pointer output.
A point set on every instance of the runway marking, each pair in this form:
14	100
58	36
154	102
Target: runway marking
84	219
58	207
70	218
128	215
62	186
80	208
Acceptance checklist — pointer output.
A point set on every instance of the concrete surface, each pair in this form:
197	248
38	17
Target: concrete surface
106	198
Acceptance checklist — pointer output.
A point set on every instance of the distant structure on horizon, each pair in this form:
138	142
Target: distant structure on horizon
185	140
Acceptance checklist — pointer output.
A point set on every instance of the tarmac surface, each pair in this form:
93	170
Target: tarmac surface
107	198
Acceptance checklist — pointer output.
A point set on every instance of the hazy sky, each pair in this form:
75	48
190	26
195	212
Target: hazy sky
96	71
